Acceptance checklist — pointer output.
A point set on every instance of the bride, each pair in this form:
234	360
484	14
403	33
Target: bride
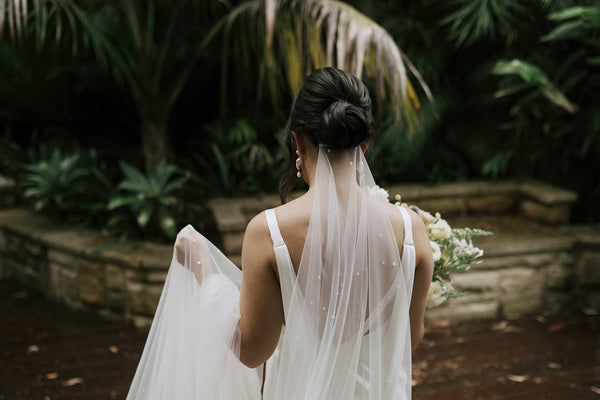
330	300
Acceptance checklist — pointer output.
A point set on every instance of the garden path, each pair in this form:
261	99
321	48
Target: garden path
50	352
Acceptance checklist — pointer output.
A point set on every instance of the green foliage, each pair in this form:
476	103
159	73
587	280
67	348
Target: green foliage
71	186
470	21
146	201
532	78
284	39
237	160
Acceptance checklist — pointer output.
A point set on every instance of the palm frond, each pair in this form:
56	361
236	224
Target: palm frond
304	35
471	20
532	77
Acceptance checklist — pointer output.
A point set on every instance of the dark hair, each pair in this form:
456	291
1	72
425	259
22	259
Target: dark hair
332	108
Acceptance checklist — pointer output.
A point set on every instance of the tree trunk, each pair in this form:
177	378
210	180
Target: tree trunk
155	138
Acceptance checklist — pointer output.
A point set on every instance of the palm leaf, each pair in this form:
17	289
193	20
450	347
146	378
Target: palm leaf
533	76
334	34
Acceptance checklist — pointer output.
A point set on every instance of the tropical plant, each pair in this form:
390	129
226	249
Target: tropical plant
469	21
69	186
239	159
146	200
152	47
532	77
289	38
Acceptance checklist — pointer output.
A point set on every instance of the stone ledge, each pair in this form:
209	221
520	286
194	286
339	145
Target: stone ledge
6	184
79	268
548	195
85	242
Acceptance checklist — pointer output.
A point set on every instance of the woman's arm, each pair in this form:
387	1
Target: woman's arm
423	276
261	307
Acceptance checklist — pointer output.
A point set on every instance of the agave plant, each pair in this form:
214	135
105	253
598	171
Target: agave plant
70	186
148	196
54	183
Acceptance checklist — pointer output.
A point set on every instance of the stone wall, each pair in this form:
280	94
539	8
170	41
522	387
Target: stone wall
81	268
532	263
587	270
533	200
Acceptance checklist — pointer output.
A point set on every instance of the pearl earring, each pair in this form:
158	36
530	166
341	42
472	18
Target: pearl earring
298	165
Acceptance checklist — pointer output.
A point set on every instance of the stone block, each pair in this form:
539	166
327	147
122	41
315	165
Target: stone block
70	286
461	312
588	273
232	242
156	276
56	283
115	277
65	259
547	194
445	206
520	292
558	276
91	282
556	301
476	281
228	215
134	294
142	299
134	275
115	287
591	298
15	247
496	204
553	214
34	249
471	297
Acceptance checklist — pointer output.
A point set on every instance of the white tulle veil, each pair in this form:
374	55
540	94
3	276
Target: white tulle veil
346	333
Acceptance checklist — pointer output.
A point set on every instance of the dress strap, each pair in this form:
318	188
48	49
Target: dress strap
284	262
408	233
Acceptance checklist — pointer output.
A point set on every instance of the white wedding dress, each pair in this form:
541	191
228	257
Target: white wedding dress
346	309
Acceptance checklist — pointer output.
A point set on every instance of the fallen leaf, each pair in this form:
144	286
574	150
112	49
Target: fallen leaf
594	389
34	348
52	375
72	381
538	380
518	378
500	326
440	324
46	397
553	365
556	327
113	349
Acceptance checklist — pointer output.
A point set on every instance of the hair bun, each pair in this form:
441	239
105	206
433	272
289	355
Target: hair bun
343	125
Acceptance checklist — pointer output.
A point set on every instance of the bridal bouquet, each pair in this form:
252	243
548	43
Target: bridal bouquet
453	250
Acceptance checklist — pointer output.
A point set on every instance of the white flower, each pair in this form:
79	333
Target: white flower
435	296
437	252
379	192
440	229
464	248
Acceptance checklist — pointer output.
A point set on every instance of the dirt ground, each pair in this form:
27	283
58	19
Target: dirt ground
49	352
